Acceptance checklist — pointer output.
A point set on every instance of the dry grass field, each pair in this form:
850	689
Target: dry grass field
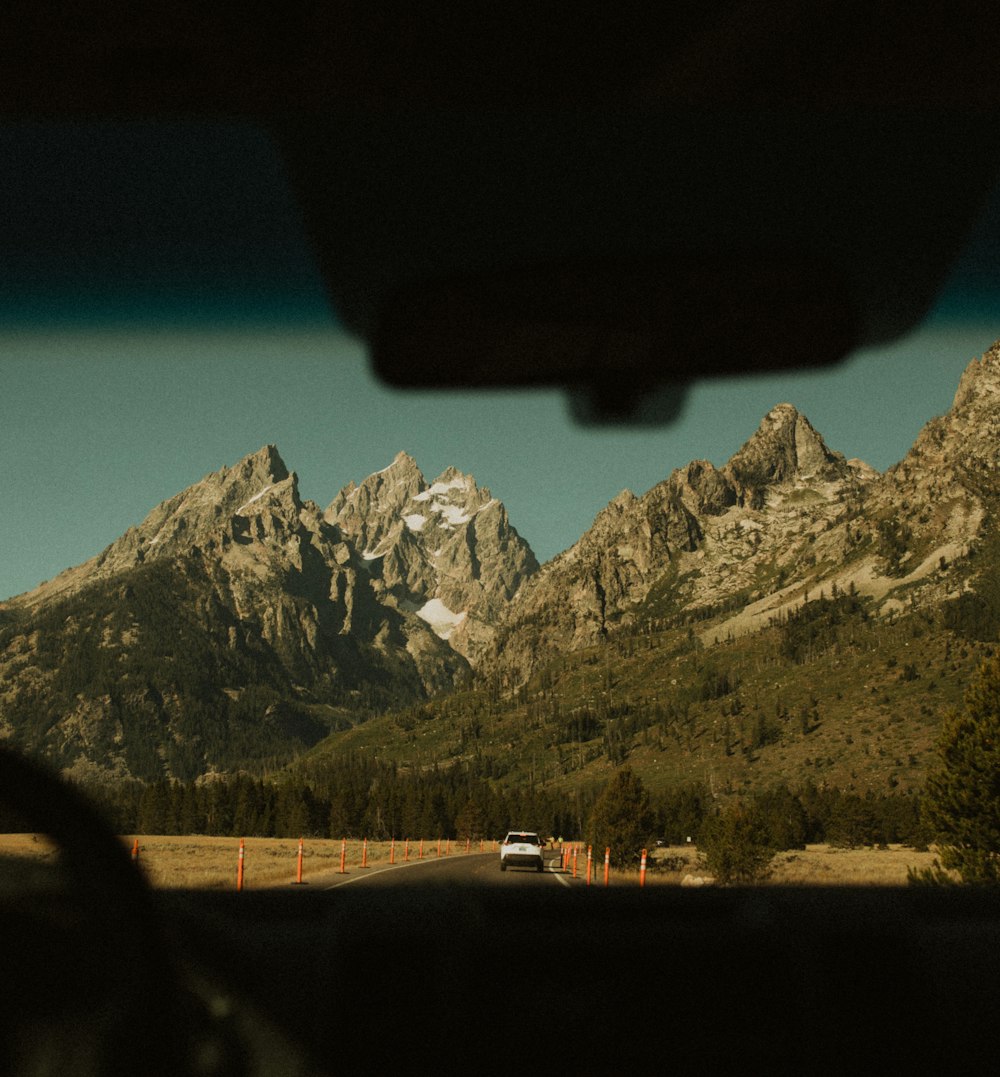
211	863
816	865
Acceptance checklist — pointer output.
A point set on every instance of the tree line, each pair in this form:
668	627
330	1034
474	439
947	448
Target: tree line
356	796
626	818
360	798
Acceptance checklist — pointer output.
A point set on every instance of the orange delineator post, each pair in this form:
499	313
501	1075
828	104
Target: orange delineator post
343	856
364	853
468	844
447	847
642	869
574	861
392	851
589	862
406	850
135	851
239	869
298	869
607	864
439	846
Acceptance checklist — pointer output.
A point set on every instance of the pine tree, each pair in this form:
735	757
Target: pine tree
736	845
962	798
622	819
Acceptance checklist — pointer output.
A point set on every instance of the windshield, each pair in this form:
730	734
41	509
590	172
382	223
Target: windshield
458	578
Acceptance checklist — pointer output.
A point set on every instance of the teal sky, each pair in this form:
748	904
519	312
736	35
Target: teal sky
160	317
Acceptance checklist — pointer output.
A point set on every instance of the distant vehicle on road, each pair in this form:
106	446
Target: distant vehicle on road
522	848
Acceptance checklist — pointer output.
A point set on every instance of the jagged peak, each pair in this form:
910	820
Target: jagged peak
268	458
265	465
450	482
249	479
402	471
981	378
451	473
783	412
785	444
402	461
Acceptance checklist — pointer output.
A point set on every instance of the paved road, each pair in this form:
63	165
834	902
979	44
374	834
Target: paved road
456	870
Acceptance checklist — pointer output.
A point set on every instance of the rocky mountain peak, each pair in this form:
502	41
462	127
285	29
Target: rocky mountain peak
443	551
953	468
265	463
980	381
784	447
207	513
969	433
259	483
369	511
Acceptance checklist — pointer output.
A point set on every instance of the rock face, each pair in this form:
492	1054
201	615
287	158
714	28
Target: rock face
444	552
947	486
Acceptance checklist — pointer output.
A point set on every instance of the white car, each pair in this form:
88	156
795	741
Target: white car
522	847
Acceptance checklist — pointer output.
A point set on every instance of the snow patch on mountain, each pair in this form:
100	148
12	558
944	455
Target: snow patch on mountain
460	482
442	620
453	514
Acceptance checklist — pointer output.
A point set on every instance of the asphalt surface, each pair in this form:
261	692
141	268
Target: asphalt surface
476	870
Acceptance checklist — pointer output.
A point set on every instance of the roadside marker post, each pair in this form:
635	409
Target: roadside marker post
298	867
468	843
406	850
135	851
574	861
343	856
392	851
239	869
364	853
642	869
589	862
420	850
607	864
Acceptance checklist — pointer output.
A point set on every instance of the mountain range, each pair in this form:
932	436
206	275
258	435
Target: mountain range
239	624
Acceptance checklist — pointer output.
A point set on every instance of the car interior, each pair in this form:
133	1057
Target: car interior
618	205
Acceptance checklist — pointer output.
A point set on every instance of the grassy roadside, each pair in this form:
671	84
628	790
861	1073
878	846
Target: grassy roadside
816	865
202	862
